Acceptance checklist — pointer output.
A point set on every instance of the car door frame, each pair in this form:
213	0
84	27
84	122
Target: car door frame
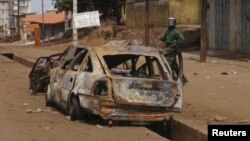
69	77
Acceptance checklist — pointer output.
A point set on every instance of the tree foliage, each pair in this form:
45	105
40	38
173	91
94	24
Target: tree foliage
64	5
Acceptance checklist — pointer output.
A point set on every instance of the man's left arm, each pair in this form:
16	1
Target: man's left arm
180	38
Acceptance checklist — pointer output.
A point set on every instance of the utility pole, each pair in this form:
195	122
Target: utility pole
4	16
146	22
43	29
18	18
75	36
204	38
66	21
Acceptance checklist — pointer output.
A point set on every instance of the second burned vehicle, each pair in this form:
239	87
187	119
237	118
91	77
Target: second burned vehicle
131	83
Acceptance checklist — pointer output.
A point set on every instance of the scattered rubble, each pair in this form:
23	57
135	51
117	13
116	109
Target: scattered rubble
229	73
47	110
99	126
67	117
123	43
225	73
243	121
195	73
9	39
48	128
213	61
28	111
208	77
25	104
219	118
39	110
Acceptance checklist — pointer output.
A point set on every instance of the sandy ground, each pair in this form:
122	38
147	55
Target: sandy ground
208	96
219	87
48	125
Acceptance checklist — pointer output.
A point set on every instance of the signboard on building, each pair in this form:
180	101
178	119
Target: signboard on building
30	27
87	19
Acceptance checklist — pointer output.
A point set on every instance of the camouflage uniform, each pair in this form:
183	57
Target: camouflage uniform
172	38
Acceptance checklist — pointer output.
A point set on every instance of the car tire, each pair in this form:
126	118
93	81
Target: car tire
74	110
47	97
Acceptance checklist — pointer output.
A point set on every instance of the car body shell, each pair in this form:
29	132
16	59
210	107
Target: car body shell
116	83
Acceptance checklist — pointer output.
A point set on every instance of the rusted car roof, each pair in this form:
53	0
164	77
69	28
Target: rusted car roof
130	49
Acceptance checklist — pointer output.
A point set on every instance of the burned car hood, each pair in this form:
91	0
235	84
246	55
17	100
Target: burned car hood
143	91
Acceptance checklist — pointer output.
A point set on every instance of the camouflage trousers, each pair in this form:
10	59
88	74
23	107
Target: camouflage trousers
172	61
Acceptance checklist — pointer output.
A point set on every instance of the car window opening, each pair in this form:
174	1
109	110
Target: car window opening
77	63
89	66
133	66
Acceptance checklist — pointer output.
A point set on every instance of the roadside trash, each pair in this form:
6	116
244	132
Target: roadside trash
220	118
213	61
243	121
25	104
222	87
225	73
47	110
34	111
233	72
195	73
99	126
208	77
28	111
37	110
67	117
229	73
48	128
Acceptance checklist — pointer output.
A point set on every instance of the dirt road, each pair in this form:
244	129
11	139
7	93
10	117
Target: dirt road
220	87
47	124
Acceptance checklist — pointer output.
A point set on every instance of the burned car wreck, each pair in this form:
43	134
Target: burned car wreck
131	83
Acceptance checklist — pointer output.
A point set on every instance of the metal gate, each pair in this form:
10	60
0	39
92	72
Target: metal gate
222	24
245	26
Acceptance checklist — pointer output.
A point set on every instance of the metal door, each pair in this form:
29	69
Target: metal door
222	24
245	27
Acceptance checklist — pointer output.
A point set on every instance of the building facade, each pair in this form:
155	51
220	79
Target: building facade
187	12
5	11
229	25
24	8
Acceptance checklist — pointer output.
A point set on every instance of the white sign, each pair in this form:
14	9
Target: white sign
87	19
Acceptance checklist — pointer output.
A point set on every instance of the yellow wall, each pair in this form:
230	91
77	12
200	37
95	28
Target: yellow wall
185	11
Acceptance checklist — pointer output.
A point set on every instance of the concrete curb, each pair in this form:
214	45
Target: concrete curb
183	131
23	61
